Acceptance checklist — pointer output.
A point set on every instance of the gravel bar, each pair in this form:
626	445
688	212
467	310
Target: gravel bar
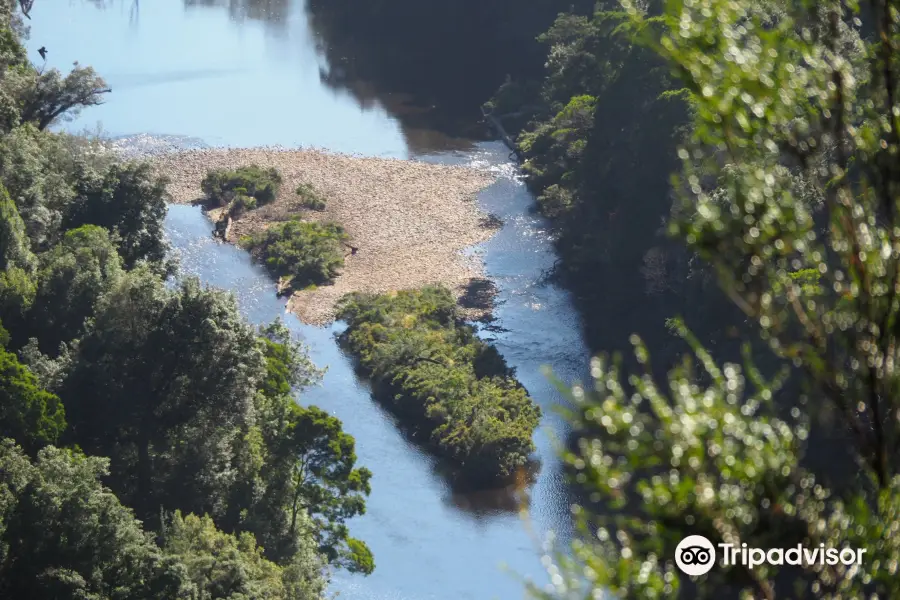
411	221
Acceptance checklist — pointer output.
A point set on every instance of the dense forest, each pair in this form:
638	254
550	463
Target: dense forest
597	132
775	241
152	444
780	122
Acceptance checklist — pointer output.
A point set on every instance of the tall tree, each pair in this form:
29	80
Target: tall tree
313	484
36	169
15	247
162	383
64	535
226	567
73	276
17	264
130	200
325	483
46	96
28	414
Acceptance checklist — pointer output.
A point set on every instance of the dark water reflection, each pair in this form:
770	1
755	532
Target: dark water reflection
244	73
445	58
239	73
274	13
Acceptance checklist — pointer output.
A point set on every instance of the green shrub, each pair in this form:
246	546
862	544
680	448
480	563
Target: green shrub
555	201
309	197
447	384
308	253
241	203
224	186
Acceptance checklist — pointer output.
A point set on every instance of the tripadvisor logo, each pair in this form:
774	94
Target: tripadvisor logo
695	555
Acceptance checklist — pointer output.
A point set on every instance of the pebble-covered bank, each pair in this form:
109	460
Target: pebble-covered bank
410	221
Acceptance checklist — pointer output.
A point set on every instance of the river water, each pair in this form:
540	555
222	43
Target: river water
247	73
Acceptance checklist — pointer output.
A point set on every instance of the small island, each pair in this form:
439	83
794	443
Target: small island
454	391
394	224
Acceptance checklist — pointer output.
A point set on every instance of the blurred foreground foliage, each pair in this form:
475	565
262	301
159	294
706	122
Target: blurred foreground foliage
790	192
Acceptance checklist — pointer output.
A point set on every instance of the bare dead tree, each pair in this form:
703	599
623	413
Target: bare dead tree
26	5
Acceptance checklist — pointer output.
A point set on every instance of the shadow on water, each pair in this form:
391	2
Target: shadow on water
446	58
480	295
510	498
274	13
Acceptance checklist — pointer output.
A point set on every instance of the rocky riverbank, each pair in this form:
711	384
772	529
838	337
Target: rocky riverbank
410	222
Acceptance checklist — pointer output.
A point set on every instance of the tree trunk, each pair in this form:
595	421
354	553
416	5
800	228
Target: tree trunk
144	478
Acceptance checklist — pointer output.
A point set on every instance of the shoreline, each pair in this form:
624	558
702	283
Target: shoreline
412	222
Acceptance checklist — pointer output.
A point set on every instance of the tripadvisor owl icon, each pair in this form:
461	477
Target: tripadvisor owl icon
695	555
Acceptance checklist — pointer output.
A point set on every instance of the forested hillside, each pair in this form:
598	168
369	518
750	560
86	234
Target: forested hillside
153	447
786	190
598	133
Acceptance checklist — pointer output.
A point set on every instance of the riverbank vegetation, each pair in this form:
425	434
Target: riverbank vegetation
241	189
152	446
598	132
222	186
306	253
453	390
310	198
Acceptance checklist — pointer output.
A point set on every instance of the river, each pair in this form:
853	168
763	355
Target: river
245	74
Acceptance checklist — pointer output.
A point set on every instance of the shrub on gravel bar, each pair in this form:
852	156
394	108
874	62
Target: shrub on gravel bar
223	186
310	198
307	253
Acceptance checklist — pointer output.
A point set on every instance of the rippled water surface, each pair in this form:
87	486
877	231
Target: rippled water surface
245	73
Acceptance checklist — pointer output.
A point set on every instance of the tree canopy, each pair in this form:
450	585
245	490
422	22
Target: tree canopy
304	252
219	565
152	436
64	535
28	413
